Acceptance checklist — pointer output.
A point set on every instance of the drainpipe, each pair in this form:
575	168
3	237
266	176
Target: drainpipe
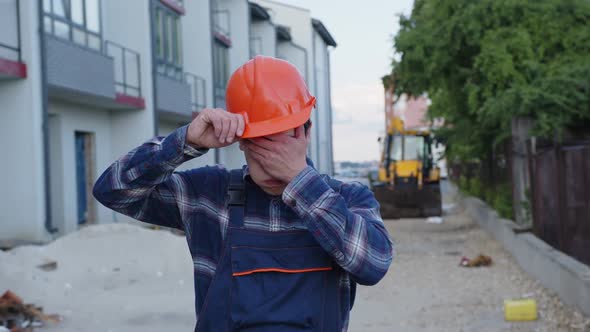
316	113
330	134
154	66
211	28
45	125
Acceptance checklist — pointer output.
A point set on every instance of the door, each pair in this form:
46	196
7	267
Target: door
84	176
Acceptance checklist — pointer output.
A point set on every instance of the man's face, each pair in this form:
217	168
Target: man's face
265	181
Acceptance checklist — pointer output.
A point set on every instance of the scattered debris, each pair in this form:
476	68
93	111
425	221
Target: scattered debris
434	220
520	310
48	266
480	260
16	316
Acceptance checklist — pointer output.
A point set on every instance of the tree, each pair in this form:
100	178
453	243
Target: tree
483	62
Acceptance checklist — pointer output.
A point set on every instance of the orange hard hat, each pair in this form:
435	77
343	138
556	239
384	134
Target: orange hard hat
271	95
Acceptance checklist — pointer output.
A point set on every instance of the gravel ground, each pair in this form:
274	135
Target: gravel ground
426	290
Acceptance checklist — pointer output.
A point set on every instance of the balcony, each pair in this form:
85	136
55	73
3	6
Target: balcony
127	75
107	77
173	98
11	65
180	100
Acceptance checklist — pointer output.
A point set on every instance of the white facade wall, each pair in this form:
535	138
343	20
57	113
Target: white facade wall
239	52
65	120
264	36
323	145
22	198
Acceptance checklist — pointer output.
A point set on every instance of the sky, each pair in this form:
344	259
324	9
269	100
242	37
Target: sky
364	33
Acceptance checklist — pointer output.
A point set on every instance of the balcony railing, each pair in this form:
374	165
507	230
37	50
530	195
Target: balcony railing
10	34
198	91
127	69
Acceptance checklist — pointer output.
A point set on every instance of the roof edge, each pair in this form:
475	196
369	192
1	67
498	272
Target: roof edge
320	28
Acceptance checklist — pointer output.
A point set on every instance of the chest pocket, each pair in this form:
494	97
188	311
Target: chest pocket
279	289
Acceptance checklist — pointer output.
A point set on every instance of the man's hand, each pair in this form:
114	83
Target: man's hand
215	128
282	156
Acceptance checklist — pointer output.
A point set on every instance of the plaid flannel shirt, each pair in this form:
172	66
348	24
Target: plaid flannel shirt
344	218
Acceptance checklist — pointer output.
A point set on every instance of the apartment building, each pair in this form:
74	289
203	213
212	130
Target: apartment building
84	81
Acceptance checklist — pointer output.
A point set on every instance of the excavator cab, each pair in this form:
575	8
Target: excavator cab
409	180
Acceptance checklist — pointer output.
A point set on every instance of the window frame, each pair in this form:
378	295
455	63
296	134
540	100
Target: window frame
168	42
49	16
220	70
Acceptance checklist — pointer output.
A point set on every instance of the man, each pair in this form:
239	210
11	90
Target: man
276	246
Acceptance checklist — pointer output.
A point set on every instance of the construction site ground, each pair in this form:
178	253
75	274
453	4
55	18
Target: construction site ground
121	277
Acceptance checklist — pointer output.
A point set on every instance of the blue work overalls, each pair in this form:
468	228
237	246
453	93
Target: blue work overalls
269	281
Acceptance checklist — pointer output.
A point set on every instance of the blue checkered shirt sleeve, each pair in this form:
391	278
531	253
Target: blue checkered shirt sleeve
143	185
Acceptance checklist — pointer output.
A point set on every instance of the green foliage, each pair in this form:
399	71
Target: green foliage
501	200
499	197
483	62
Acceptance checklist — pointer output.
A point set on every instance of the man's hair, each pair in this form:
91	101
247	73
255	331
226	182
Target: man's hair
306	126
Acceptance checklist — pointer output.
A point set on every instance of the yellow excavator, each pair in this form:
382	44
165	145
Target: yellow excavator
408	183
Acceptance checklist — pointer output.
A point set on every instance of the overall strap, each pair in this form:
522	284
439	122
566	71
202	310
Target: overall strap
236	198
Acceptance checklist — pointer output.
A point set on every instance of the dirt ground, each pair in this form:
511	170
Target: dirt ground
126	278
426	290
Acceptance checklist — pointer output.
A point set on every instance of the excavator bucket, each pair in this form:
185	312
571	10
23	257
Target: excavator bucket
409	202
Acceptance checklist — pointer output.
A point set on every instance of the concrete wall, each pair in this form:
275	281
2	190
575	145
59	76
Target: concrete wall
562	274
264	33
22	199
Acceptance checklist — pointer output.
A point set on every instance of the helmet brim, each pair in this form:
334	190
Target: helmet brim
277	125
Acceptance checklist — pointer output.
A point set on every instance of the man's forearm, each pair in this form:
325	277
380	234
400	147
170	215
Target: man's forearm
350	230
144	176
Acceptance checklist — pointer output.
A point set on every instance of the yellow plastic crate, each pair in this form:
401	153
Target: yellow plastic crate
520	310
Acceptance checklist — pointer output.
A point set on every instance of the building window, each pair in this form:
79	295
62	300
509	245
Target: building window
75	20
168	42
220	72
